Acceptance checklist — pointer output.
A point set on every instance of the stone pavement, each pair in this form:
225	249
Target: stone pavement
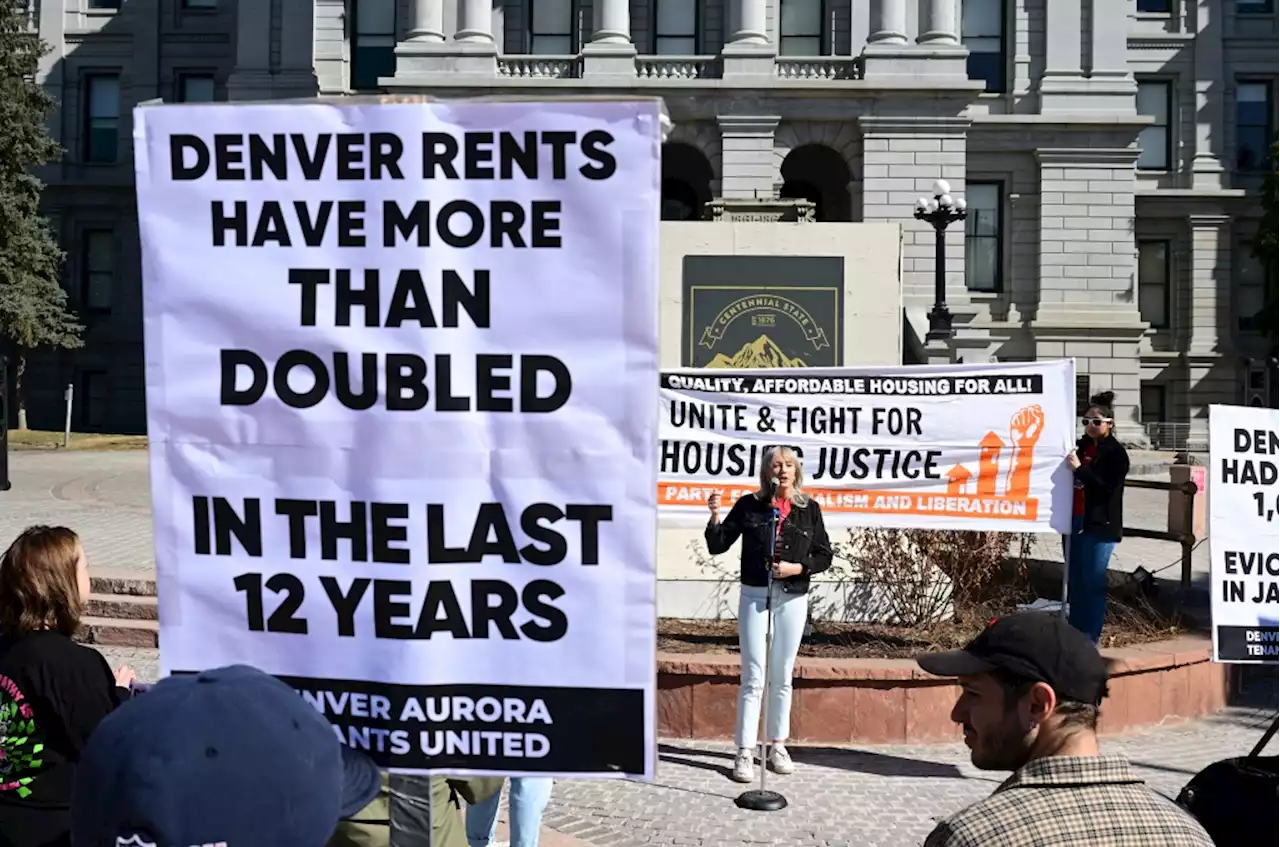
875	796
106	498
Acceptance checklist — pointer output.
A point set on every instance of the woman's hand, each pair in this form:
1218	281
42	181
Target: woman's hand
1073	460
782	570
126	676
713	504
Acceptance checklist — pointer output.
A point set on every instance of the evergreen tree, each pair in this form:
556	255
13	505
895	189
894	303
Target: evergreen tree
1264	249
33	306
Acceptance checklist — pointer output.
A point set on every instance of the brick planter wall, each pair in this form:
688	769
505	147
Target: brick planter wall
882	701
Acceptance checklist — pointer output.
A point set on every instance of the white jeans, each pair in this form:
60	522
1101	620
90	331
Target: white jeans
790	612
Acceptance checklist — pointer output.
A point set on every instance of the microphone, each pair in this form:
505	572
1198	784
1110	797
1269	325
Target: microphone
773	486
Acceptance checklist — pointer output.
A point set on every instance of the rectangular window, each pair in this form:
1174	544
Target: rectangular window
1156	7
1154	99
1153	282
982	237
675	28
1082	394
102	118
92	398
1255	125
1255	7
982	31
1251	281
373	49
97	269
195	88
551	28
800	31
1152	399
199	4
104	4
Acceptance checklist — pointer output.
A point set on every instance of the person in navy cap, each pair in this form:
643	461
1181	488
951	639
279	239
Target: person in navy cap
230	756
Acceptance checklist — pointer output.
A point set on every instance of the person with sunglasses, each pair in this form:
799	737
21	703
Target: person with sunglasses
1100	465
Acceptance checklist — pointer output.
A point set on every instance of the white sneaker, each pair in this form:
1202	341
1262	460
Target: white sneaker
780	760
744	766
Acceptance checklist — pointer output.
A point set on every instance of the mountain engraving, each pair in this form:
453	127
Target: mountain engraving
761	353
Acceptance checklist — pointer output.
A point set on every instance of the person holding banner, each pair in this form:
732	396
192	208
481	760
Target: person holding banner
800	550
1100	465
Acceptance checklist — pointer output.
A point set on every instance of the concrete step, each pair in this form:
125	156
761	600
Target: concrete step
122	581
119	632
125	606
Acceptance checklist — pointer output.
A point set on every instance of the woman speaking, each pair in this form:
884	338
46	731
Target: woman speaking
802	549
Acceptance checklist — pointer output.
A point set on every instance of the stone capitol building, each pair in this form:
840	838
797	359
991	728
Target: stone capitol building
1110	153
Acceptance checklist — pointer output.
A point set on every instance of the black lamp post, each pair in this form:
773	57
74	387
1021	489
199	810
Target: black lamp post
940	211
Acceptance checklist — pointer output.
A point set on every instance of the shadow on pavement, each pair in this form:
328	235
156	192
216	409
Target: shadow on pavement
862	761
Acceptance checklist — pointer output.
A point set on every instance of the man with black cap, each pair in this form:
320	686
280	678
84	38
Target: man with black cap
1031	686
230	756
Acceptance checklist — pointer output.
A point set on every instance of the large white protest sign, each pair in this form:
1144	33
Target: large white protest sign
977	447
1244	532
402	396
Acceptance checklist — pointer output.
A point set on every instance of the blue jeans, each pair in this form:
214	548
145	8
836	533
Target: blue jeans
790	612
1087	580
529	796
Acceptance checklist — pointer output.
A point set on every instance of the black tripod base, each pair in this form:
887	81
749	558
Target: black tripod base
758	800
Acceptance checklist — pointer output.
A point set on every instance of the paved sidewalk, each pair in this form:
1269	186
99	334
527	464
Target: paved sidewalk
881	796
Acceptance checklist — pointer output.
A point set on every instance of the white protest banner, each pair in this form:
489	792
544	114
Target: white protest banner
977	447
402	397
1244	532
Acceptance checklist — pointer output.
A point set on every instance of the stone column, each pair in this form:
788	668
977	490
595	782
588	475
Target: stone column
751	19
610	52
1088	301
475	23
938	53
1109	87
938	24
297	74
747	161
1210	280
251	77
426	21
888	22
1207	171
749	52
1063	75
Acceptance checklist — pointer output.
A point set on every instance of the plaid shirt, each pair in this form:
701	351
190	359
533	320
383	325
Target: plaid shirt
1090	801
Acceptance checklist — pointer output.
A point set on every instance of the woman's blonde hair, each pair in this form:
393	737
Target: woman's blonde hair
39	588
798	497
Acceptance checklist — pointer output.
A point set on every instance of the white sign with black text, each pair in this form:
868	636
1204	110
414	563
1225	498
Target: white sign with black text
1244	532
402	396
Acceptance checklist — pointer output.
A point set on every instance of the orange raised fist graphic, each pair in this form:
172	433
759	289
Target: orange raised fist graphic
1026	426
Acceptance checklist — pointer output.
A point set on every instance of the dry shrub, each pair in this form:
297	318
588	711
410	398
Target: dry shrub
924	577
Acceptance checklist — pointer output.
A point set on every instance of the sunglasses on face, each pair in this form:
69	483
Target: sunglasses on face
1095	421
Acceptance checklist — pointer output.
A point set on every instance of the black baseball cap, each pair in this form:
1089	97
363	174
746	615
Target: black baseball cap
1036	646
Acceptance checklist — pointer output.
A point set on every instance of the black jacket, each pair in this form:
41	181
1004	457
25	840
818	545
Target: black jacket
1103	481
804	541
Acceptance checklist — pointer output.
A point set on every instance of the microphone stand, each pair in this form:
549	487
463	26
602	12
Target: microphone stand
761	799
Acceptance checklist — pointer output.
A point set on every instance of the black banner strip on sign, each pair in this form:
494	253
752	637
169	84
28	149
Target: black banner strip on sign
1247	643
484	727
868	386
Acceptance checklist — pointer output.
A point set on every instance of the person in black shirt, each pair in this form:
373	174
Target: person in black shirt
1100	465
802	549
53	692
